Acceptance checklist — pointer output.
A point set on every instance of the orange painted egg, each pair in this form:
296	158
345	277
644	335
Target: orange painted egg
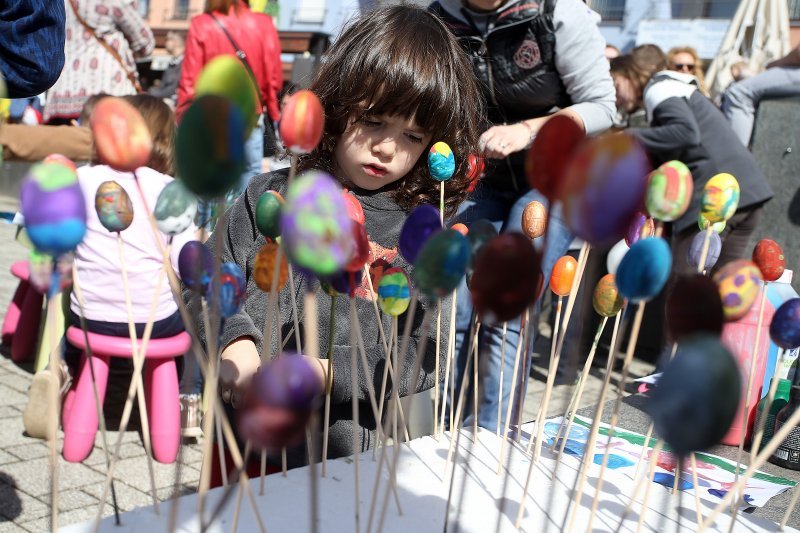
302	121
264	268
120	135
461	228
562	275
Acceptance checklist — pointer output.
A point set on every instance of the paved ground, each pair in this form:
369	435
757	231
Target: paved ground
24	467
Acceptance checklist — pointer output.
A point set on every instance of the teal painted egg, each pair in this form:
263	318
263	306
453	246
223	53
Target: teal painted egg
175	208
441	263
268	214
441	162
113	206
644	270
394	292
209	146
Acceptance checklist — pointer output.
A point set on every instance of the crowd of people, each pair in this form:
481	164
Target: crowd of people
482	75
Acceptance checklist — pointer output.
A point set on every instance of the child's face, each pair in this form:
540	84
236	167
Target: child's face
377	150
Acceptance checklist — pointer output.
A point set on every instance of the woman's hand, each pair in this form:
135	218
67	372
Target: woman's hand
499	142
240	361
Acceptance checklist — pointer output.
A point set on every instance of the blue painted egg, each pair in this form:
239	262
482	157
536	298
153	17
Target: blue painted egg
644	270
785	327
441	162
441	263
229	292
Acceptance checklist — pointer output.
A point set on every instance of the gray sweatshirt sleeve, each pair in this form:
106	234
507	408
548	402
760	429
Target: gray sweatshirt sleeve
582	65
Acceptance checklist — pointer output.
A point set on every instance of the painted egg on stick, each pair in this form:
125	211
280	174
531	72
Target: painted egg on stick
461	228
506	278
720	198
669	191
695	252
394	292
120	135
418	227
302	122
209	146
785	327
546	161
175	208
113	206
52	202
604	188
739	283
225	75
641	227
341	283
534	220
475	168
694	306
441	161
615	256
441	263
361	251
562	275
697	396
606	299
268	214
264	268
229	292
769	259
716	227
354	209
61	160
644	270
196	266
316	231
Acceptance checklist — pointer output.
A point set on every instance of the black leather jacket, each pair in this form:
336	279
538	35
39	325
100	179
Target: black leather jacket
515	63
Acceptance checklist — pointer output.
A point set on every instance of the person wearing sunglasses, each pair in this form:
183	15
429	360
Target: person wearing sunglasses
685	59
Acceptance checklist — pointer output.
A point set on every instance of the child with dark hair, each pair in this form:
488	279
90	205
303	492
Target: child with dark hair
388	94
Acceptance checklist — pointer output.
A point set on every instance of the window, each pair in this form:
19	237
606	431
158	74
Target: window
609	9
181	10
794	10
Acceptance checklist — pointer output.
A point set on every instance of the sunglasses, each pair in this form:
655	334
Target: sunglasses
683	66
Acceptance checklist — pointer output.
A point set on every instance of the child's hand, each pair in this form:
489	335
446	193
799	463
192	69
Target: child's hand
240	361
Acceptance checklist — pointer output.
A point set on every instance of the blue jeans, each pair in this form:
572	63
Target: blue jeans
504	210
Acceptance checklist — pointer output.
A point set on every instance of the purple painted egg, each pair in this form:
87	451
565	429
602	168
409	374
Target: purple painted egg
341	282
421	223
695	252
739	283
605	184
196	266
113	206
316	230
694	306
52	202
785	327
641	227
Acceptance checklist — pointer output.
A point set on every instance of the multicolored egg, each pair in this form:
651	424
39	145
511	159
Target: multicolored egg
769	258
461	228
113	206
720	198
120	135
553	147
506	278
354	209
228	293
441	263
606	299
644	270
209	146
225	75
394	292
61	160
669	191
739	283
562	275
697	395
302	122
785	327
361	249
316	232
51	200
604	187
716	227
264	268
441	161
695	251
175	208
268	214
641	227
534	220
420	225
694	306
196	266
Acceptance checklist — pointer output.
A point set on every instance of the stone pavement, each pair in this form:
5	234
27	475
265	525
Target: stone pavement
24	465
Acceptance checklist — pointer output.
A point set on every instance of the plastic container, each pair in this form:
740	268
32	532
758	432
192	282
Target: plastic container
782	393
777	293
787	454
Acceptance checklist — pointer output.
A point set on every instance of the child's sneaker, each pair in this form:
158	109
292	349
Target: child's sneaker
190	415
35	417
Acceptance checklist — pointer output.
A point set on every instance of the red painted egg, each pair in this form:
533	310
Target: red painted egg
553	147
302	122
362	251
769	259
563	274
475	167
354	209
120	134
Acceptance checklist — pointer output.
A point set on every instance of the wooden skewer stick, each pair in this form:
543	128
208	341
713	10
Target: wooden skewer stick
502	368
137	376
328	384
475	387
701	266
451	363
54	402
697	506
461	398
640	481
436	364
354	402
791	507
650	477
504	436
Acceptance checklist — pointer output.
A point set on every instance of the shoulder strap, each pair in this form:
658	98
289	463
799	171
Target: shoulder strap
242	57
131	76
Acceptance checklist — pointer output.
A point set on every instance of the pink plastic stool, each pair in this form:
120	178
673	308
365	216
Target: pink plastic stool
79	417
21	323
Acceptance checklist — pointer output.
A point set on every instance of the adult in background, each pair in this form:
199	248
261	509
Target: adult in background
175	46
740	100
685	125
533	60
685	59
31	46
102	39
225	27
